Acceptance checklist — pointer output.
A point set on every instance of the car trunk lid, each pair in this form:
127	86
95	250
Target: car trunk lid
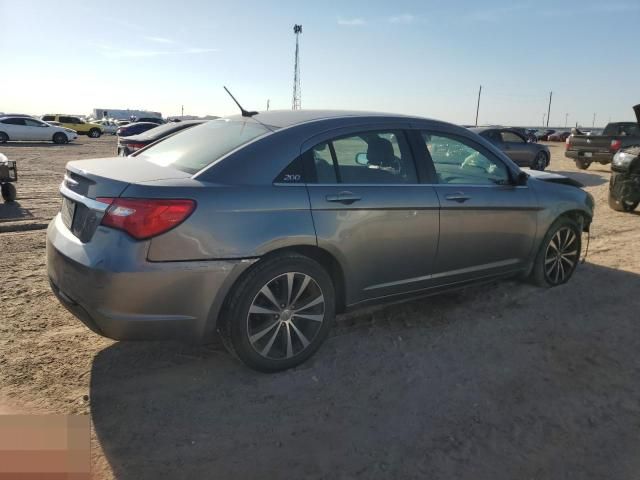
86	181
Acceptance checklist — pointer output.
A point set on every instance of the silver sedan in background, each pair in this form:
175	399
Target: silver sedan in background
516	147
261	228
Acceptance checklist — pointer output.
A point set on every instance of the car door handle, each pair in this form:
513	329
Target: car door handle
457	197
343	197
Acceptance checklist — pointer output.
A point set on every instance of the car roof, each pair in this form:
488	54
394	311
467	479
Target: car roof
289	118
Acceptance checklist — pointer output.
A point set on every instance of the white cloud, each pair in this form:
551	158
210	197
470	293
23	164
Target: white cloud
351	22
615	7
404	18
494	14
159	40
115	52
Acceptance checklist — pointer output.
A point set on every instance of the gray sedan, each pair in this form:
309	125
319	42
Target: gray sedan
261	229
516	146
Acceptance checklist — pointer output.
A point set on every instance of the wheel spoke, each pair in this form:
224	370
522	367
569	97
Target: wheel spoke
262	311
315	318
570	262
266	291
267	348
289	344
561	269
290	278
257	336
319	299
551	268
557	272
549	260
571	237
301	290
303	339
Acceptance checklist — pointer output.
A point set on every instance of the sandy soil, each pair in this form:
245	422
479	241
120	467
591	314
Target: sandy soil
498	381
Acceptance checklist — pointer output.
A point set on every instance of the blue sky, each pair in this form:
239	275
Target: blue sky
418	57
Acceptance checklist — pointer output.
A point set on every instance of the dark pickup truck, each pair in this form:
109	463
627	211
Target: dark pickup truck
586	149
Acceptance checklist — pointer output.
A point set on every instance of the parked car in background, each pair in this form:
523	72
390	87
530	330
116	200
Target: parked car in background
263	228
92	130
543	135
558	136
34	130
624	185
108	126
586	149
135	128
121	123
128	145
516	147
155	120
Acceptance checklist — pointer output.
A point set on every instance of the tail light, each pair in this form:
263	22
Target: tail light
567	143
145	218
615	145
135	146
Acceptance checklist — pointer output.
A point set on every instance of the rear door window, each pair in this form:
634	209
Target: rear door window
14	121
49	118
511	137
374	157
66	119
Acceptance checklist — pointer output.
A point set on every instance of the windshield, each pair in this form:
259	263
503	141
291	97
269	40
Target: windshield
193	149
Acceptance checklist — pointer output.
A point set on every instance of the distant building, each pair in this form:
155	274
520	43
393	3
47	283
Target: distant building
190	117
120	114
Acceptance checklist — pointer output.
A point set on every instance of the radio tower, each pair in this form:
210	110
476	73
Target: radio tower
296	102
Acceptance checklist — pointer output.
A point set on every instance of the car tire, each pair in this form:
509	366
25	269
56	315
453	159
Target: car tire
621	205
60	138
540	162
8	192
4	138
268	336
558	255
582	164
95	133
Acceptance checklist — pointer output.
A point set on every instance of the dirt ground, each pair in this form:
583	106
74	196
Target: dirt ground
501	381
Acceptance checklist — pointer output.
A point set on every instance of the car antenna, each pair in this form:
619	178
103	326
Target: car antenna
242	110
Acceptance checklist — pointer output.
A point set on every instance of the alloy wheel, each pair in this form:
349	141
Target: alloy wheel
561	256
285	316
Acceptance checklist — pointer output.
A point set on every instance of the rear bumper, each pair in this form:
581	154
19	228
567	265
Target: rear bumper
599	157
111	288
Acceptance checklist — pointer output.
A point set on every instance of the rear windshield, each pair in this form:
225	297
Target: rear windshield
622	129
193	149
166	129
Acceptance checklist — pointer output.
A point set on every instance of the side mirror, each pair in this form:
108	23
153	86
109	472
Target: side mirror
361	159
522	179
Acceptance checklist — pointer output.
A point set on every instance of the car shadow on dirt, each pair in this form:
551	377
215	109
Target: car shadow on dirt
586	179
499	381
13	211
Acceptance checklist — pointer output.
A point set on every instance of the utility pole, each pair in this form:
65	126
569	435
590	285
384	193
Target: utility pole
268	104
182	110
549	109
544	115
566	118
593	124
478	107
296	101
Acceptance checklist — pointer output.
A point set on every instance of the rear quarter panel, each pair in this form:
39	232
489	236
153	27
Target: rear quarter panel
231	222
